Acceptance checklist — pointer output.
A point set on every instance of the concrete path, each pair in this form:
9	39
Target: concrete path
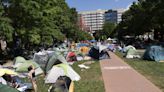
120	77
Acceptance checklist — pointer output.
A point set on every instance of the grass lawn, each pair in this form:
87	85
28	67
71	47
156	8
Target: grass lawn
91	79
153	71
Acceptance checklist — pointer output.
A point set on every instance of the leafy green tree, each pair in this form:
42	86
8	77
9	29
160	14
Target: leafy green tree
143	16
108	29
6	30
37	22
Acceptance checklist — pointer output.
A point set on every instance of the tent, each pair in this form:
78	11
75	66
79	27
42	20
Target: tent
112	47
84	50
82	45
132	53
102	47
5	88
125	49
3	81
57	58
22	66
63	84
20	59
155	53
94	52
93	41
61	70
99	53
71	57
41	58
103	55
109	39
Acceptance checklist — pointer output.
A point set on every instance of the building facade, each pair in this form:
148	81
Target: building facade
91	21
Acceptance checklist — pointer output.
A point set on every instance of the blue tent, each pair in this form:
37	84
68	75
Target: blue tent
92	40
155	53
82	45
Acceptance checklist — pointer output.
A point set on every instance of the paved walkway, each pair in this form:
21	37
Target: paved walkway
120	77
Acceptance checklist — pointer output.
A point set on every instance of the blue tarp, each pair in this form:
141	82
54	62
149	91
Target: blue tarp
155	53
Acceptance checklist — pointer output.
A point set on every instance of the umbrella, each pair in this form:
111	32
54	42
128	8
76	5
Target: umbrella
7	71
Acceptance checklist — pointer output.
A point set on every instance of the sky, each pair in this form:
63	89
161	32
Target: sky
87	5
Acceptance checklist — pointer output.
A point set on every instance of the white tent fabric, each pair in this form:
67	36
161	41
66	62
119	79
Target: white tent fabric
3	81
128	47
56	72
102	47
109	39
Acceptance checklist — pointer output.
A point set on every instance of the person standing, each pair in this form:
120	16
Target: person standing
32	77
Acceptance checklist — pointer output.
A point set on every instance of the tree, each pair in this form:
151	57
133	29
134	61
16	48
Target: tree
108	29
36	22
6	29
143	16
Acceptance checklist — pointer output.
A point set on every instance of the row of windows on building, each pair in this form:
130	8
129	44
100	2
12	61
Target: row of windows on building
94	20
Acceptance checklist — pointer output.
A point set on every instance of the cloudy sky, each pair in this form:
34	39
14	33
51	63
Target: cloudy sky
83	5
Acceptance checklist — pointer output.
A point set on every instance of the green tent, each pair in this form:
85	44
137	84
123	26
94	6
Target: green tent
21	65
19	59
57	58
61	70
24	66
5	88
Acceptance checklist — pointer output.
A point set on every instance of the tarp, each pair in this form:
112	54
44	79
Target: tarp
54	60
155	53
5	88
61	70
7	71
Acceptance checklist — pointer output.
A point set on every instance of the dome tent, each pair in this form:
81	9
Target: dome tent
155	53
